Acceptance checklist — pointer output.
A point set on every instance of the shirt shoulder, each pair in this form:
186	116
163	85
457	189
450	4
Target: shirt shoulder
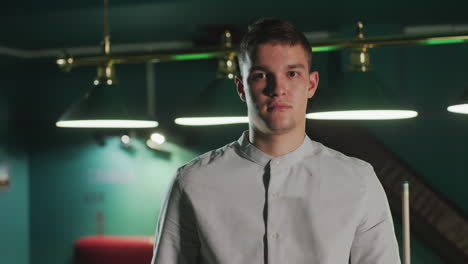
340	168
206	163
345	176
330	155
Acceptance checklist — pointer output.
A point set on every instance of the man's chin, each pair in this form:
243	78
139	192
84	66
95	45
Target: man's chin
280	126
271	125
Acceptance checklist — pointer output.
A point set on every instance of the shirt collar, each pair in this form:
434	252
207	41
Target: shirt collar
254	154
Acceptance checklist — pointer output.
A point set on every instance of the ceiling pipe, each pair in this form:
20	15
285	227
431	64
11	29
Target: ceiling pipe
94	50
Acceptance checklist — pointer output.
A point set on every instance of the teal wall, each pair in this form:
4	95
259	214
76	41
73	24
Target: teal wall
76	182
14	209
14	201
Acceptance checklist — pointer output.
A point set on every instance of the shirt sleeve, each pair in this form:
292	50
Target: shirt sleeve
176	239
375	241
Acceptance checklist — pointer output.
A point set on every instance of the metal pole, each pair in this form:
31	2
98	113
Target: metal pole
406	224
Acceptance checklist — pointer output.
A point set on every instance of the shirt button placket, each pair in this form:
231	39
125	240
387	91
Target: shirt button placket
274	236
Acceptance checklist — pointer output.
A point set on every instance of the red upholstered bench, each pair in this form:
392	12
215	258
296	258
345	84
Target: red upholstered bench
114	249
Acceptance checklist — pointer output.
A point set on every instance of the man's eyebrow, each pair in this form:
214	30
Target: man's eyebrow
295	66
258	68
263	68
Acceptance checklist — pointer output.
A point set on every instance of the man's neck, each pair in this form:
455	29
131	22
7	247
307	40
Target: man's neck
276	144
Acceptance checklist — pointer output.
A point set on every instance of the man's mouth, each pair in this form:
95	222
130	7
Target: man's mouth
278	106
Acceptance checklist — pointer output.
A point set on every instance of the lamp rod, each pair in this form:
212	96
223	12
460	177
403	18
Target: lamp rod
106	30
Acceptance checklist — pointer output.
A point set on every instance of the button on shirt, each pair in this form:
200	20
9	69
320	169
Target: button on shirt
239	205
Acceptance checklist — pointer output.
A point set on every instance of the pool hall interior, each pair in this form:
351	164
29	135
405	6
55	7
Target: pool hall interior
66	193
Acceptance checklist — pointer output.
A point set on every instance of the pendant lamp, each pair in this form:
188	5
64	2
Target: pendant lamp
362	95
103	106
219	103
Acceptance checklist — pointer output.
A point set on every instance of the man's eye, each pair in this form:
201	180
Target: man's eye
293	74
259	75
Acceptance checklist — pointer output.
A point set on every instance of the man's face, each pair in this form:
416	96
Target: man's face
276	85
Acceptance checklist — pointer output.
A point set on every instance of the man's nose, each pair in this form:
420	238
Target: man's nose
276	86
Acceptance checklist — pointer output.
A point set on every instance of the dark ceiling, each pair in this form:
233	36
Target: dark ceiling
59	24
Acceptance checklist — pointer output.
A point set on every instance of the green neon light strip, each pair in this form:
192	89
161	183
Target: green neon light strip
326	48
443	41
212	55
196	56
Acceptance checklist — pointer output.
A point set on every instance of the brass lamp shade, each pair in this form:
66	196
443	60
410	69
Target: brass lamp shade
219	104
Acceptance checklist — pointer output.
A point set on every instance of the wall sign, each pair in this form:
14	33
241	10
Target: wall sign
4	177
111	176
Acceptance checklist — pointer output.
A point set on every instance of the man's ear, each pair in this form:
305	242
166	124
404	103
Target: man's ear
240	87
313	84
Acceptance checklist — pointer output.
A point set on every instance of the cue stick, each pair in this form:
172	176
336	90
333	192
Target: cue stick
406	223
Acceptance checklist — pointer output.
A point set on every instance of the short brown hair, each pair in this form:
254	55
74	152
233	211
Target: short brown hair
272	30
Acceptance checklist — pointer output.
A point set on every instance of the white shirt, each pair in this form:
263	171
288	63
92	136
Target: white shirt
238	205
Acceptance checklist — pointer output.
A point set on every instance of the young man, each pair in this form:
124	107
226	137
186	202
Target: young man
275	196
